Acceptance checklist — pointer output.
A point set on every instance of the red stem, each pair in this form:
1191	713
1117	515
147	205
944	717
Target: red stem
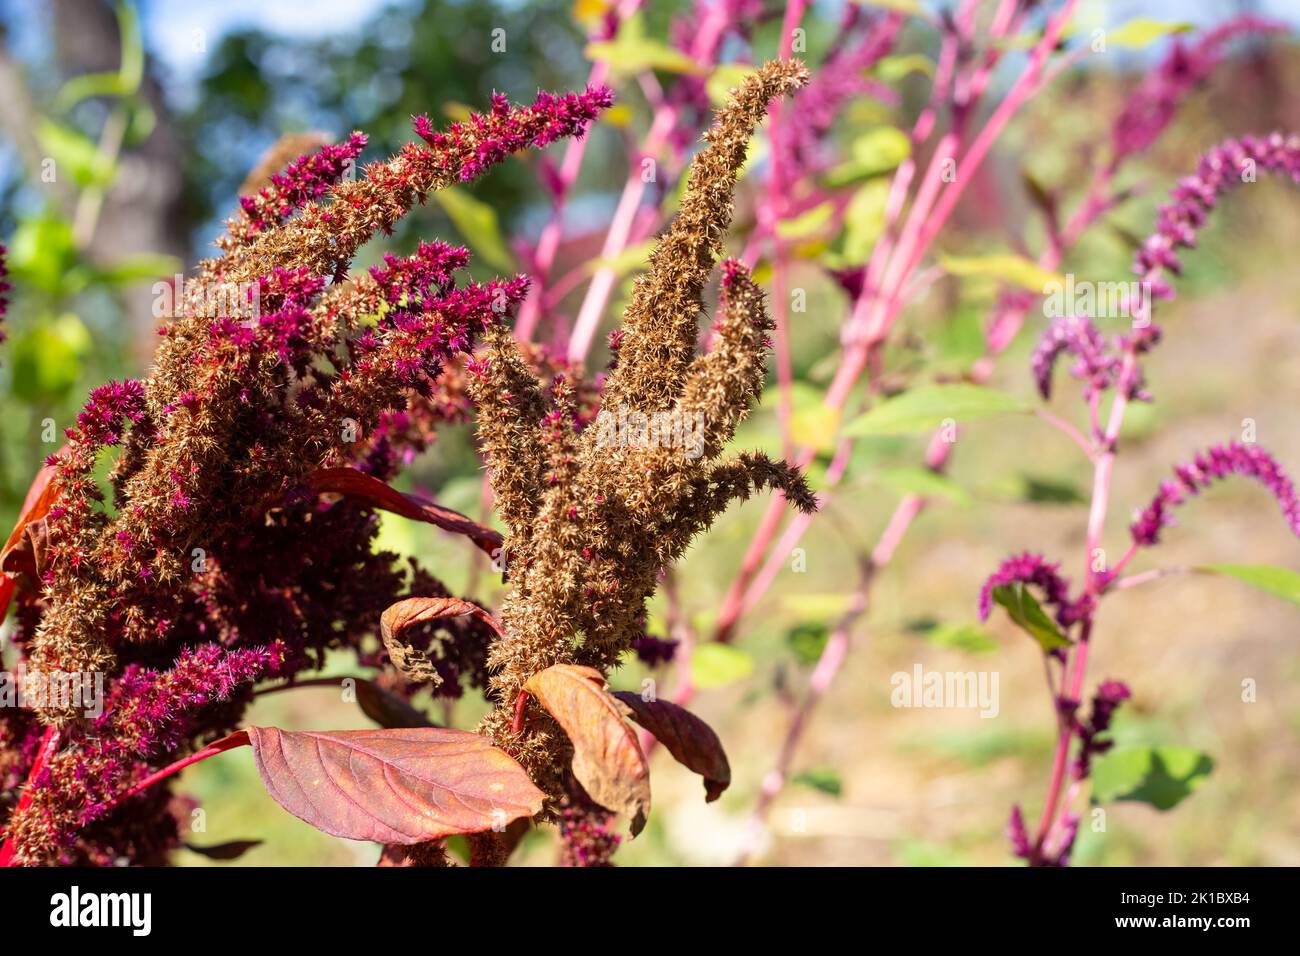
49	743
238	739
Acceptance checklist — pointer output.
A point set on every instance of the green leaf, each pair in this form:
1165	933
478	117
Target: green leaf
807	223
1160	776
632	259
927	407
807	640
1029	616
879	150
822	608
962	637
1003	266
477	224
1142	32
1050	491
716	665
822	779
894	68
125	82
144	267
86	86
47	359
75	154
632	52
726	78
1282	582
42	253
864	220
916	480
912	7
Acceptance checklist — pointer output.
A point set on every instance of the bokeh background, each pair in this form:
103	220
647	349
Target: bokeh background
221	82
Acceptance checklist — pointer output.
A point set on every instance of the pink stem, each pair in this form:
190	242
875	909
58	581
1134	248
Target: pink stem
548	243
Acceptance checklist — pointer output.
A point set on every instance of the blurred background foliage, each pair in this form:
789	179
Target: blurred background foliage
152	124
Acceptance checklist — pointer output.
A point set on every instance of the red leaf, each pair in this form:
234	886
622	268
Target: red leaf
357	484
607	758
408	659
393	786
40	496
690	740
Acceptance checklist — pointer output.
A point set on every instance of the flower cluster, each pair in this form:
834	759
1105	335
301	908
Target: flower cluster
592	526
1078	336
149	713
4	287
217	448
1105	702
1232	162
862	43
1105	365
1154	104
1029	568
304	179
1215	463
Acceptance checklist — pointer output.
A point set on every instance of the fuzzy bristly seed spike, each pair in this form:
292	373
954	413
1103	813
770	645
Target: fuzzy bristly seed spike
595	514
661	322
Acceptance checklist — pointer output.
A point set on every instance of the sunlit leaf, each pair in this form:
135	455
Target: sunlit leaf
75	154
1141	32
807	223
1029	616
632	52
1281	582
477	223
1005	267
1160	776
928	407
717	665
607	757
690	740
879	150
403	786
894	68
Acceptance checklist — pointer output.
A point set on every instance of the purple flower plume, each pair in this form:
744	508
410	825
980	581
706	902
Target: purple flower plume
1155	102
306	178
1078	336
486	139
1216	462
4	287
1195	197
1105	702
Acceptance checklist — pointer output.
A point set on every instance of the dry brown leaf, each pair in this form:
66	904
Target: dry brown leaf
690	740
607	758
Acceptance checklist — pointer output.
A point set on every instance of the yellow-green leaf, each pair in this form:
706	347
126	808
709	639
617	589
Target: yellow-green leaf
477	224
1005	267
1142	32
